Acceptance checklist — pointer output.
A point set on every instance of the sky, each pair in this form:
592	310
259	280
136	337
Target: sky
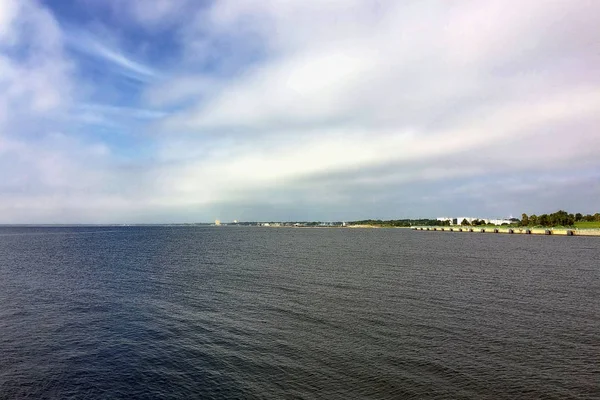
157	111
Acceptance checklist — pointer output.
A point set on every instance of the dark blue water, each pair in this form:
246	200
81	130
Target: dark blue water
184	312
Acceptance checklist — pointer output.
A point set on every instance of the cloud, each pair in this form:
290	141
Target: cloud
8	11
382	64
393	85
34	72
131	112
301	109
39	164
86	43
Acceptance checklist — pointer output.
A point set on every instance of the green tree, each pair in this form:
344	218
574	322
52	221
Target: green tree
533	220
465	222
578	217
524	220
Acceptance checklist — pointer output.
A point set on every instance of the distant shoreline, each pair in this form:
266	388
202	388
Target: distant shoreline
557	231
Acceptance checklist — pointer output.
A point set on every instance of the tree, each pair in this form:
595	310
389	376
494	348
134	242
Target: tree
543	220
578	217
533	220
465	222
524	220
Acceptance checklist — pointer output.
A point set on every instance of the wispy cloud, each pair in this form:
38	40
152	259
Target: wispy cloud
85	42
128	112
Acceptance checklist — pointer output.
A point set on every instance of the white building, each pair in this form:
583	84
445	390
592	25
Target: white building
491	221
500	221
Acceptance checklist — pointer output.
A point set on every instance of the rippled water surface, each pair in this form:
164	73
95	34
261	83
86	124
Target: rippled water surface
231	312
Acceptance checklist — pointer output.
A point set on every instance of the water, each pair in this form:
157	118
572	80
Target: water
230	312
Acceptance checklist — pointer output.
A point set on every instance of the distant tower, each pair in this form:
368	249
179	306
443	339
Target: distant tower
217	222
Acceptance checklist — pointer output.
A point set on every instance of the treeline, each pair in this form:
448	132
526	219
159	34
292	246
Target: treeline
559	218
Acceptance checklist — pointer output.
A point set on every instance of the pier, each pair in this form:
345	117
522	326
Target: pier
513	230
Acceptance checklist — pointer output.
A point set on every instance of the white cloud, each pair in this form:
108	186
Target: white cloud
8	11
377	64
319	103
87	43
346	83
37	80
37	89
128	112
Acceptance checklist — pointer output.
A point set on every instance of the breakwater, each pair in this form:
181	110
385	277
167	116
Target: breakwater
510	230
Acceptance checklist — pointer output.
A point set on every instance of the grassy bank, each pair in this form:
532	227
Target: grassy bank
587	225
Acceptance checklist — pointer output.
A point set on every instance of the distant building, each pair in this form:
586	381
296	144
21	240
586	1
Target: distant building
491	221
501	221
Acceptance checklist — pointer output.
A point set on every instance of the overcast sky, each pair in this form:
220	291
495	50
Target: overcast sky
184	111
